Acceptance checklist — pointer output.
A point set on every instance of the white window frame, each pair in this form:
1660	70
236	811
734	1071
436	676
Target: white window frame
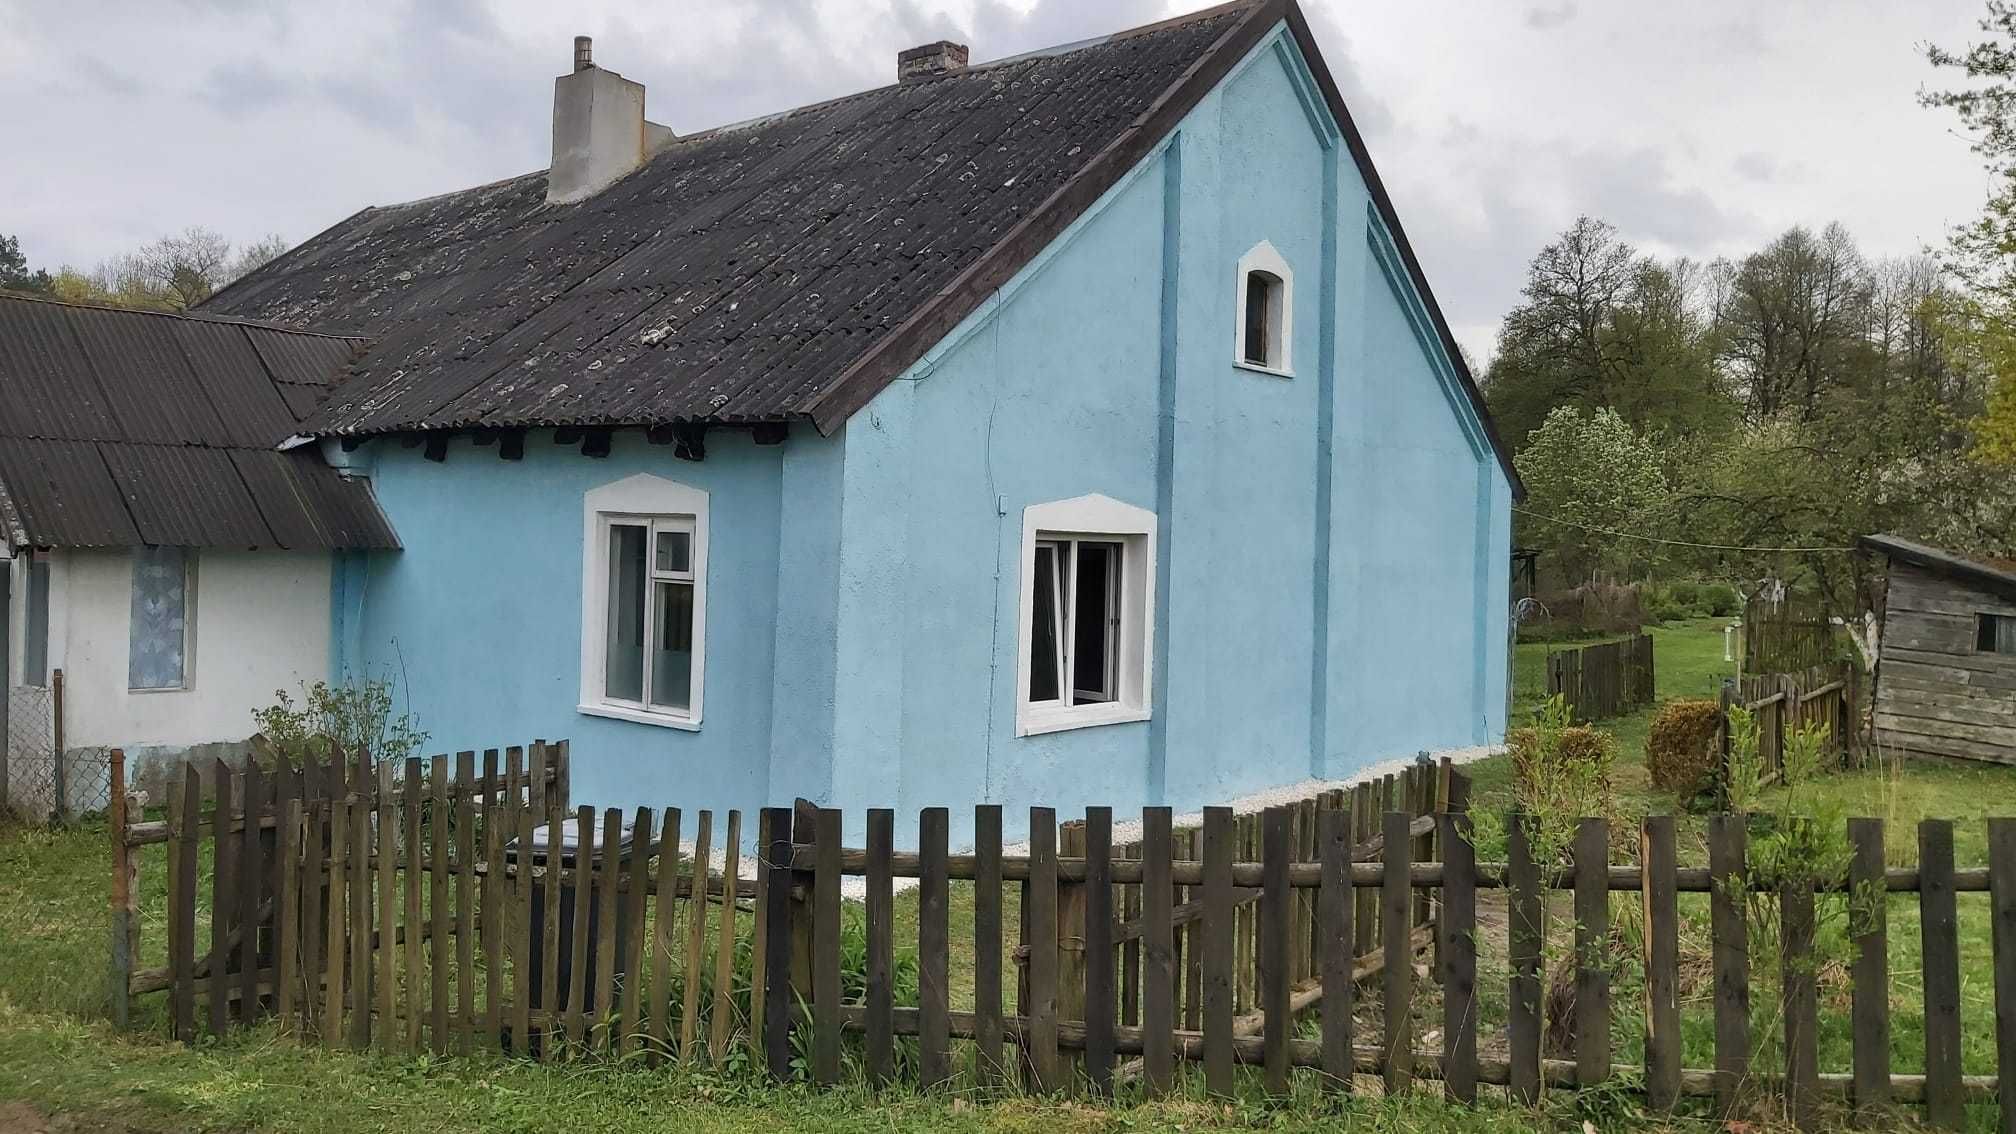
1263	257
189	574
1098	519
661	505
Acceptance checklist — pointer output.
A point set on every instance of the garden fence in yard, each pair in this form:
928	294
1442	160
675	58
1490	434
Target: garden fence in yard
1604	680
391	909
1827	696
1788	633
41	776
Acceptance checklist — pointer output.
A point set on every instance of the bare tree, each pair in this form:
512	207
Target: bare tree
185	269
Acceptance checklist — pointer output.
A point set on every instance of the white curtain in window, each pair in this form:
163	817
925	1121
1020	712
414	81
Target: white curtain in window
156	656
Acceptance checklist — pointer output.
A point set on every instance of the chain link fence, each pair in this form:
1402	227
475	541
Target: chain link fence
41	779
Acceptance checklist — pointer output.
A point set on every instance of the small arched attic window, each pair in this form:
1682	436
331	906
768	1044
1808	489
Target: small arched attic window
1265	319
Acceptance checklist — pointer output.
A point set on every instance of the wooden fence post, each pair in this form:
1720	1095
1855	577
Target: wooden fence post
1729	937
1799	985
1592	952
934	1026
779	944
60	765
125	921
1456	927
1868	917
1658	863
2002	905
1098	949
1945	1105
1526	937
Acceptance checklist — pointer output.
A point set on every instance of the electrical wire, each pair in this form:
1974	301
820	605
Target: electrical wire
1676	542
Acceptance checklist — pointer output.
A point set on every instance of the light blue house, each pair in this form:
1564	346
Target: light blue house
1077	428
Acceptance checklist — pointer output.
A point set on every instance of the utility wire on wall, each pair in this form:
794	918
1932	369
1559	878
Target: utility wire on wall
1674	542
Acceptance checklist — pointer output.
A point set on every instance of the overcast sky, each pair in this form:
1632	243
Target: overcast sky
1698	128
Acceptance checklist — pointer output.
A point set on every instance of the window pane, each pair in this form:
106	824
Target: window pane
158	632
1097	622
1258	284
1995	633
624	647
672	648
675	552
35	667
1043	622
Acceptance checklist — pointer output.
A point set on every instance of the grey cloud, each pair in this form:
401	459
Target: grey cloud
1756	165
1547	19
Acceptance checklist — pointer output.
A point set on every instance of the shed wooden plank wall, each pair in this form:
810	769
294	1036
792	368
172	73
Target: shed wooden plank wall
1935	693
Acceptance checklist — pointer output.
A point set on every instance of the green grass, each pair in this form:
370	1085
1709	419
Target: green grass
1688	662
59	1057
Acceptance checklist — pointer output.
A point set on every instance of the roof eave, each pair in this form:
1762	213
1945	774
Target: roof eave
1941	561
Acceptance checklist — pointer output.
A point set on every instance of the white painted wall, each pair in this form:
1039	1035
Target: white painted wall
261	624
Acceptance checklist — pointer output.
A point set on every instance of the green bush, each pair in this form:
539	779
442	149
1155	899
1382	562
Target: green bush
1721	600
1686	593
1681	751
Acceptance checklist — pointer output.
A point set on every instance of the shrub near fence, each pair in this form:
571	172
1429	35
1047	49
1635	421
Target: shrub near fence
1604	680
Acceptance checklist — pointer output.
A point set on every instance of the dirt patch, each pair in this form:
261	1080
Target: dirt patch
20	1118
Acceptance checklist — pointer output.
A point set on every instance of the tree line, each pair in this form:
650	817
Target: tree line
1753	416
172	273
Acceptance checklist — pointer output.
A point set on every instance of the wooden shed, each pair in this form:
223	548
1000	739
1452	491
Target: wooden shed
1946	665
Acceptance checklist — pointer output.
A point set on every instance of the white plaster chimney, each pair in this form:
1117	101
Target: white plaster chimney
599	131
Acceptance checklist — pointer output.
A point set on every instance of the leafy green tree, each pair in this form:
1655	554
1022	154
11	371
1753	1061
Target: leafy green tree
1588	474
14	273
1982	252
1602	327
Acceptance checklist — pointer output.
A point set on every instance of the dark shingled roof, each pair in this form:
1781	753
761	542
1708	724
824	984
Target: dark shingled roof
1984	571
787	268
122	428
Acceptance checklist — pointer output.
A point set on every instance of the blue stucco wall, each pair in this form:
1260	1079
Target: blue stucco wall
1332	546
478	620
1332	564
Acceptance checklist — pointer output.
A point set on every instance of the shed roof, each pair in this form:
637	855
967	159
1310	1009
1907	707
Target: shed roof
786	268
1987	571
121	428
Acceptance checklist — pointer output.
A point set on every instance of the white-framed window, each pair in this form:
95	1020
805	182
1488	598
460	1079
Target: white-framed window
1086	632
644	601
1265	320
161	627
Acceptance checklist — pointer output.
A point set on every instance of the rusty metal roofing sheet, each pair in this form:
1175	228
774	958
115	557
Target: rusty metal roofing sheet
120	428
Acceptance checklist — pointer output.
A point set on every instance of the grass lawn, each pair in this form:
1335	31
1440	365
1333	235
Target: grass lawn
1688	663
62	1067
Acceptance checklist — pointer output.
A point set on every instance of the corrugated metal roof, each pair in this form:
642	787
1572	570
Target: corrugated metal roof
780	269
735	276
120	428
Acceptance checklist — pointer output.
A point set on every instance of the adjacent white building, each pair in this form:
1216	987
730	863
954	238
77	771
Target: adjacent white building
166	566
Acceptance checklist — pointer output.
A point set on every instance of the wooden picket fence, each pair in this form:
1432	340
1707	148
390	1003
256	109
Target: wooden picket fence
358	916
1828	695
374	904
1604	680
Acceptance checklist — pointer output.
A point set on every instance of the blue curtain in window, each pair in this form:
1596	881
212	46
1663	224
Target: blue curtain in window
155	659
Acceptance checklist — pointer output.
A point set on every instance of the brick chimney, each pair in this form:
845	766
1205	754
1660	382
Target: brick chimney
599	131
930	61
